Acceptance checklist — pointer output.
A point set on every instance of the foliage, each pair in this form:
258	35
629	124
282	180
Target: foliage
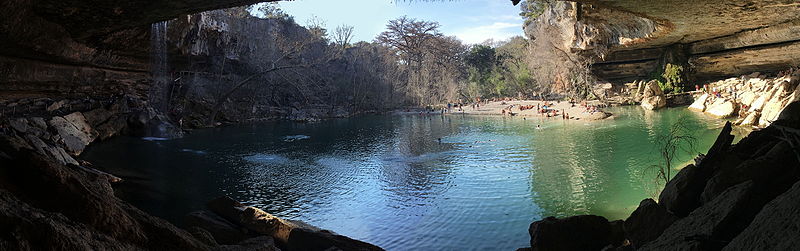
499	71
268	10
532	9
670	78
481	57
316	26
432	63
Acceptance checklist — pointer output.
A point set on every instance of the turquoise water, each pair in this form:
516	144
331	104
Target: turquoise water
387	179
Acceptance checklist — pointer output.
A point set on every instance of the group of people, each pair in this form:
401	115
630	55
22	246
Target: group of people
544	109
718	92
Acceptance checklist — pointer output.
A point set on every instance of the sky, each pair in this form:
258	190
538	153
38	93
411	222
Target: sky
473	21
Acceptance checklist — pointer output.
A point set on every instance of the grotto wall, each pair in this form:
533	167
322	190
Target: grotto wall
719	38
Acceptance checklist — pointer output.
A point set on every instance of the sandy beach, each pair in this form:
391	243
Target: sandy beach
577	112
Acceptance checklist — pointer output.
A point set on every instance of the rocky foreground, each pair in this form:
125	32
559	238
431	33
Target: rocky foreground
51	200
736	197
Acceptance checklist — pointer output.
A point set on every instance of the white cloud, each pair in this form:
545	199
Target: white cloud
496	31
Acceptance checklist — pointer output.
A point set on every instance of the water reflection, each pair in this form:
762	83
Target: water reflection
388	180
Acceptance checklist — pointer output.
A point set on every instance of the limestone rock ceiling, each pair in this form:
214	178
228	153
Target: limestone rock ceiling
87	17
691	21
722	38
72	47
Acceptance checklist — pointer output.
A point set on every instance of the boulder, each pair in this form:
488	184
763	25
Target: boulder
699	104
583	232
679	195
261	243
74	139
758	104
790	115
747	98
19	124
97	116
796	94
202	235
56	105
223	231
647	222
79	122
751	119
31	228
293	235
771	112
722	108
773	173
113	126
309	239
56	153
617	233
710	226
598	115
654	102
38	122
653	97
775	227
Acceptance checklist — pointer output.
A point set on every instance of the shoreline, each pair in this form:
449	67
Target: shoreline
523	108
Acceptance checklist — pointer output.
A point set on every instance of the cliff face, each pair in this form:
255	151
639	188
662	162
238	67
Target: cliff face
716	39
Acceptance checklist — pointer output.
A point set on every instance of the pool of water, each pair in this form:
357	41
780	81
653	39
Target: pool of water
388	180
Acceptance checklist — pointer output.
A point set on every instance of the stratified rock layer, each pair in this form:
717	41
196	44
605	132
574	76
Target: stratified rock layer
718	39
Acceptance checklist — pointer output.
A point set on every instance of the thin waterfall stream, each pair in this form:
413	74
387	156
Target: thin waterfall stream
159	68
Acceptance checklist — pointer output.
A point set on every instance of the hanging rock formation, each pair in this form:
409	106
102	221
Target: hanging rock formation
717	39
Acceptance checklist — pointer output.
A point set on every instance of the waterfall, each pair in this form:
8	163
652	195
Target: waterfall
158	66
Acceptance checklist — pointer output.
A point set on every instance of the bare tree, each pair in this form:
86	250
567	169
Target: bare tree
316	26
342	36
431	59
679	139
291	50
409	36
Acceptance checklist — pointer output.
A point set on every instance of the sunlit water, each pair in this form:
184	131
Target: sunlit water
387	180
